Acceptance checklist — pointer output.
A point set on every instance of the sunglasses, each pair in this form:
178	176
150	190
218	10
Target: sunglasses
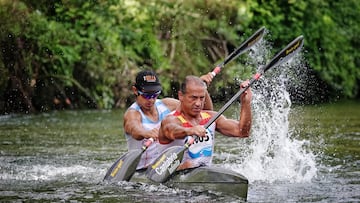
149	95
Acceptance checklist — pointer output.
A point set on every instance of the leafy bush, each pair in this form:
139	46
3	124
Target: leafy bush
85	54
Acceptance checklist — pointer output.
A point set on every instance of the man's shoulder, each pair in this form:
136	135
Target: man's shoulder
171	103
132	109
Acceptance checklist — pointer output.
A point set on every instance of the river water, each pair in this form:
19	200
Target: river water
314	156
294	154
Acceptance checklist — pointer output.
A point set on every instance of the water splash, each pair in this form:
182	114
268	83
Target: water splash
274	152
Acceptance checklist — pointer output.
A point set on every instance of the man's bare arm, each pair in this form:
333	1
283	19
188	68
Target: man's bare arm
133	126
171	129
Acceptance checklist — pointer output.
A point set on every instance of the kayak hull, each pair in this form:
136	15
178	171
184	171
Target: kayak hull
214	179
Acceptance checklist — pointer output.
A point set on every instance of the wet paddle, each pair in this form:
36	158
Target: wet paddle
257	36
125	166
166	164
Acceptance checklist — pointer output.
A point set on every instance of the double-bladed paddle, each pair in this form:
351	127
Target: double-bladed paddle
166	164
125	166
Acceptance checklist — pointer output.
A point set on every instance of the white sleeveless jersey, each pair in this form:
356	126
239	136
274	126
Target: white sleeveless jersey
200	153
152	152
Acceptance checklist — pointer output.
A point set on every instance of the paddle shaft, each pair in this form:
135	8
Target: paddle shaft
241	49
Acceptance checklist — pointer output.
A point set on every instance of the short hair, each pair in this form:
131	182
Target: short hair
191	79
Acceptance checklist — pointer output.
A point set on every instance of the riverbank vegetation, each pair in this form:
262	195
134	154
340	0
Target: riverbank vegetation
67	54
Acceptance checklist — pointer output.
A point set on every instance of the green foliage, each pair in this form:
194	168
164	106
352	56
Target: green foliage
196	34
330	47
90	51
84	44
8	28
331	34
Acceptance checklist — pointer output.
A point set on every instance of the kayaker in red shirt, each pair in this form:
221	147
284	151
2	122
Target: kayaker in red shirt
189	119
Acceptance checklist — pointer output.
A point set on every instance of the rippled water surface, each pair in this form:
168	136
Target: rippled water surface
307	154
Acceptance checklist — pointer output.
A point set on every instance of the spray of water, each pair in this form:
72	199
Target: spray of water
274	152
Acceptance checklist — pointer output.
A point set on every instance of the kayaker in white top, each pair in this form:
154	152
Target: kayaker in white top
142	119
189	119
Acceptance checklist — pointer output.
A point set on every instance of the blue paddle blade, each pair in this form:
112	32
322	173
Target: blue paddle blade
124	168
165	165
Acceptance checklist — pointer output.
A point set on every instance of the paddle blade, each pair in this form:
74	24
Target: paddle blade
124	168
165	165
288	52
257	36
246	45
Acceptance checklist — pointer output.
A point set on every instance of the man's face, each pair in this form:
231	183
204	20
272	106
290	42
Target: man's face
192	101
146	100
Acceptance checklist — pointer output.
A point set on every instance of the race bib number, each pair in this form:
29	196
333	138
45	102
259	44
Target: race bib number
202	146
